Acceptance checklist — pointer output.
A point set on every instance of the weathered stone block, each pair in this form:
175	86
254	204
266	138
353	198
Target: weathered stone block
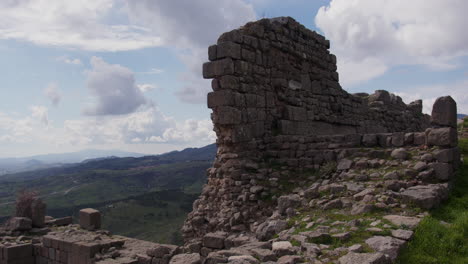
409	138
214	240
443	171
18	252
446	155
425	196
212	52
224	98
442	137
380	95
387	245
68	220
228	50
369	140
248	55
84	249
416	106
444	112
367	258
227	116
90	219
398	139
400	154
186	259
229	82
295	113
383	139
419	138
19	224
218	68
38	212
162	250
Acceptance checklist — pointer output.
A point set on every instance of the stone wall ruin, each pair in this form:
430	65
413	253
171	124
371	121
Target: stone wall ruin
277	102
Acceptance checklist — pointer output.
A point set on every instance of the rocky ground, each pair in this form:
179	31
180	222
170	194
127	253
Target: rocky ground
363	210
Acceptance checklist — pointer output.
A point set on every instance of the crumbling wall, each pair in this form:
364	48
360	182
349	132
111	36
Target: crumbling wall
277	102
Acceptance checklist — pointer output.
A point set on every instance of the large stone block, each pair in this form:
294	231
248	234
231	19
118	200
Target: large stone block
295	113
38	212
18	252
162	250
398	139
442	137
380	95
226	115
416	106
19	224
186	259
384	139
419	138
228	49
443	171
369	140
90	219
444	112
218	68
212	52
224	98
214	240
446	155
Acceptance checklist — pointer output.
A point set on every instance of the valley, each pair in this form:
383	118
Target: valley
146	197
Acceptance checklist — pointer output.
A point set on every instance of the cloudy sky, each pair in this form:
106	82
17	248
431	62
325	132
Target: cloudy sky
126	74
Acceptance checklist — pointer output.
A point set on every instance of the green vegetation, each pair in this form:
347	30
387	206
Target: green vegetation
146	198
442	237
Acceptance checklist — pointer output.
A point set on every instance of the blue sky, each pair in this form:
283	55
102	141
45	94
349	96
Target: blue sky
126	74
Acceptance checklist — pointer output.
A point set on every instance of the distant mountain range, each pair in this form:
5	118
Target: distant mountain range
460	116
13	165
154	191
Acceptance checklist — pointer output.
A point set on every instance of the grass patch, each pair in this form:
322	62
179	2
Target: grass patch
435	242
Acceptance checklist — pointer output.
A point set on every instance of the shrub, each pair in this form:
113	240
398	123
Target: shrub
24	200
328	168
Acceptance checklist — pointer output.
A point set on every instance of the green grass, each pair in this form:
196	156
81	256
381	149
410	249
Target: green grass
436	242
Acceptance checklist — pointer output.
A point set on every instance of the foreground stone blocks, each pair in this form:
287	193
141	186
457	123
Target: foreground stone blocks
20	224
214	240
443	137
17	254
90	219
426	196
38	212
364	258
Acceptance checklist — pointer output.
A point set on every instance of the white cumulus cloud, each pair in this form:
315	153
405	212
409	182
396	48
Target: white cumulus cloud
370	36
146	87
41	113
190	27
80	24
429	93
52	92
68	60
113	88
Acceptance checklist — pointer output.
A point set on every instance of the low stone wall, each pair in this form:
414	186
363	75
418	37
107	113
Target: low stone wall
243	181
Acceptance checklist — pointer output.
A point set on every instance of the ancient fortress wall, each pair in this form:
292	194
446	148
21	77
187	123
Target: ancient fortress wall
277	102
